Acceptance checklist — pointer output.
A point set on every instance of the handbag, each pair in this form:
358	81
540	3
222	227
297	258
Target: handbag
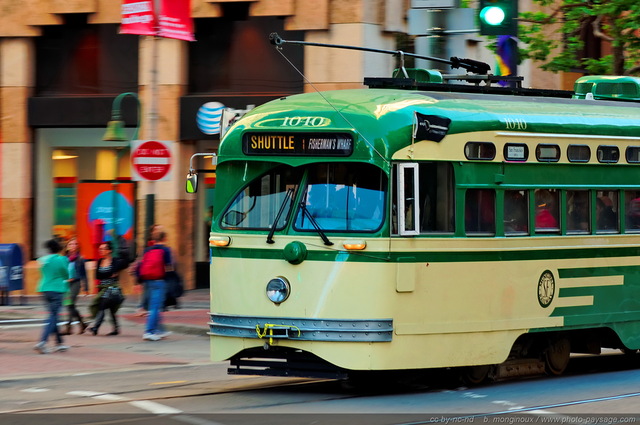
113	295
175	287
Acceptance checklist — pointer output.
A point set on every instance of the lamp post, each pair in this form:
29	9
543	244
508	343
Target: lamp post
115	133
115	127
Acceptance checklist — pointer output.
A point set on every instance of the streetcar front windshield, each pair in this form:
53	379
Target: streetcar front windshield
342	197
258	204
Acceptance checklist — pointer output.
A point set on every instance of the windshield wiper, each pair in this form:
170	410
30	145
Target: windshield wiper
287	197
315	224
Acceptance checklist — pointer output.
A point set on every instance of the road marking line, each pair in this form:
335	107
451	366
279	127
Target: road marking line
35	390
149	406
155	408
110	397
168	382
84	393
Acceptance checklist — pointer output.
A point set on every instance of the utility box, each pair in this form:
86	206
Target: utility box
11	274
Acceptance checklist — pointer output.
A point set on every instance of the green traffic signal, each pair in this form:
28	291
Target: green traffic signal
498	17
492	15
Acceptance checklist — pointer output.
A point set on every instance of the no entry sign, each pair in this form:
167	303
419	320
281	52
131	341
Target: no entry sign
150	160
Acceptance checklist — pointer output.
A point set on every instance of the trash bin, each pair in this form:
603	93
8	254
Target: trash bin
11	276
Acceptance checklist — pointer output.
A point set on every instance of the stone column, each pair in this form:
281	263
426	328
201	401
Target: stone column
16	85
171	208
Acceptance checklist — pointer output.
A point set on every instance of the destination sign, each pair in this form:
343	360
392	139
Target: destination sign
301	144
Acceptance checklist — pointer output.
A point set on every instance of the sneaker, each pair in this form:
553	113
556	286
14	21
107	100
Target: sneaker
60	347
151	337
41	347
141	312
164	334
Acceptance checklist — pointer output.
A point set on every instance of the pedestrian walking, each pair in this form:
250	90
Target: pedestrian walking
77	282
53	285
109	293
143	301
156	262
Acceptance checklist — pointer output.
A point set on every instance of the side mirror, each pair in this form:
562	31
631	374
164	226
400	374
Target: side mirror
192	182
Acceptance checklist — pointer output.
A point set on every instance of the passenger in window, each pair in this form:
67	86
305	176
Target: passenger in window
606	218
480	211
545	219
633	214
578	211
515	211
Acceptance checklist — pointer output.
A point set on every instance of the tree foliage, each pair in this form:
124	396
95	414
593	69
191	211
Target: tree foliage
615	21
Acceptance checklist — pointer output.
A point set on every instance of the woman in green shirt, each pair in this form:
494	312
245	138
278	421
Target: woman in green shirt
53	285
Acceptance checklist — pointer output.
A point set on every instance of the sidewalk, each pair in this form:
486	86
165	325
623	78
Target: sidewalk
192	316
188	343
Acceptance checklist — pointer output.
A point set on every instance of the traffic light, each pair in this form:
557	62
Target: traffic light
498	17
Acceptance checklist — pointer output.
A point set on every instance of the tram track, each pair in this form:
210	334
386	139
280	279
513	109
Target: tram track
274	400
276	396
97	398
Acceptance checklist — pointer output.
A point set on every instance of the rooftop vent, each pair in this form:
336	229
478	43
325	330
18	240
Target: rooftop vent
600	87
420	75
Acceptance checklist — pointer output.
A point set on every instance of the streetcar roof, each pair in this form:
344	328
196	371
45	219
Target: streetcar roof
385	118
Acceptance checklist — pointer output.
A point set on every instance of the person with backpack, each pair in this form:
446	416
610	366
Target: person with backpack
156	262
143	301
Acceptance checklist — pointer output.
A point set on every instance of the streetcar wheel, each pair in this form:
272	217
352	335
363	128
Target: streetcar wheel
557	356
475	375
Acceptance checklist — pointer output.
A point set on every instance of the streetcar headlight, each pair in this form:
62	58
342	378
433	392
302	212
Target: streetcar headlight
219	241
278	289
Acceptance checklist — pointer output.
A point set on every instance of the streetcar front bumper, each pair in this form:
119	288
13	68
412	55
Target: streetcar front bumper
302	329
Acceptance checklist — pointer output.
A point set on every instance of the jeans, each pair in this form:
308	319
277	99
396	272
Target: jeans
157	293
54	303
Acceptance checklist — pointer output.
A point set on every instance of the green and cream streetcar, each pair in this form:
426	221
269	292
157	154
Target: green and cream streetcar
389	229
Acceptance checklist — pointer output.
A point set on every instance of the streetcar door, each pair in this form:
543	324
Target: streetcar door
407	199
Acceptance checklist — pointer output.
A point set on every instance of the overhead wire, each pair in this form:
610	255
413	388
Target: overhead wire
304	77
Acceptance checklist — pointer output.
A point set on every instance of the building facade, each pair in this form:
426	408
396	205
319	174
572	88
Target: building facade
63	64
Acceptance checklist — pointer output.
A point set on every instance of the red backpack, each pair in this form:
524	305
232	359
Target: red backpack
152	265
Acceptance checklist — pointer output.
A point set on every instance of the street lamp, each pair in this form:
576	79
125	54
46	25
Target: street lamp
115	128
115	133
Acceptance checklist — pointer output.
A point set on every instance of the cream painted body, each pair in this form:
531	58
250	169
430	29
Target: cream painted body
445	314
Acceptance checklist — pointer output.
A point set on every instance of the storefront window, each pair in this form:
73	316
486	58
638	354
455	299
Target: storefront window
81	177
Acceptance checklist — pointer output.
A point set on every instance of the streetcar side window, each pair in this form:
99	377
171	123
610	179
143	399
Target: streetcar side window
578	212
608	154
579	153
547	153
436	198
632	210
547	203
516	212
480	212
480	150
633	154
607	211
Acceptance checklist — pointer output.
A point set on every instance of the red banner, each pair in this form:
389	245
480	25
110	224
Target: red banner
138	17
175	20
